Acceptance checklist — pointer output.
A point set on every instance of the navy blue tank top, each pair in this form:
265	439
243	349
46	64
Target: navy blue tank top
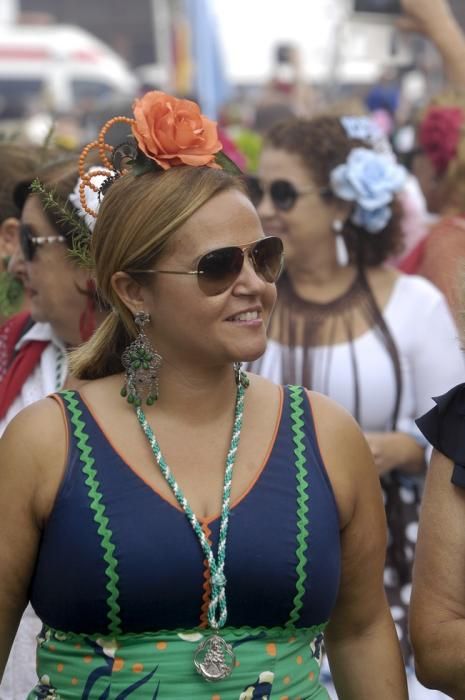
115	556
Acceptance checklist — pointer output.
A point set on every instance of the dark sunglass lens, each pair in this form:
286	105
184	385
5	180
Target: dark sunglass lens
283	194
267	257
254	189
27	245
218	269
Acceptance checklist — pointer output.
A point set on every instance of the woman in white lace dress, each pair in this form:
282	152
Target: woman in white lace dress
345	324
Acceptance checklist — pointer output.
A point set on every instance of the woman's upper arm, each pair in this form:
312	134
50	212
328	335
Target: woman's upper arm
363	526
439	571
437	358
32	455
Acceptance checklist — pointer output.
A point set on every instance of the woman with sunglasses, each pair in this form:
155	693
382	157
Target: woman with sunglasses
60	293
17	161
378	342
34	344
148	539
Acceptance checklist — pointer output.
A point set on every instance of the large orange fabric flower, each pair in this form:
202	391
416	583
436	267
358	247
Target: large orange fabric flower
173	132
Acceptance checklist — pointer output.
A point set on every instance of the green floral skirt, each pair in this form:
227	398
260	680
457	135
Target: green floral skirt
276	663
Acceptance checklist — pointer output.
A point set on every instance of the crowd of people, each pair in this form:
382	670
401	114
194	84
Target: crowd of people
232	406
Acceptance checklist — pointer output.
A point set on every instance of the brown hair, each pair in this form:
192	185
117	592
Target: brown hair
16	163
136	221
322	144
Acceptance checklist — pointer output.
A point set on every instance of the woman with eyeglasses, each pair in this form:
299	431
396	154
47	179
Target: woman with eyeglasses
182	532
378	342
62	312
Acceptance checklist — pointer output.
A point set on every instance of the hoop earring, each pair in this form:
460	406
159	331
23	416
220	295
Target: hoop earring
142	363
342	254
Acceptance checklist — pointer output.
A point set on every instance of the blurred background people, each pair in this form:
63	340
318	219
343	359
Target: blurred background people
286	87
17	162
439	164
378	342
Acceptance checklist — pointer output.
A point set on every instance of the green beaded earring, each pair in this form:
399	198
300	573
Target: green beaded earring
142	364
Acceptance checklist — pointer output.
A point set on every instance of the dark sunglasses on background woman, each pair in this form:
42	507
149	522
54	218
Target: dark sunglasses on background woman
217	270
283	193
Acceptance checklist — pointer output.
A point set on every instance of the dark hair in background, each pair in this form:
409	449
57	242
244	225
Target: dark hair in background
322	144
17	162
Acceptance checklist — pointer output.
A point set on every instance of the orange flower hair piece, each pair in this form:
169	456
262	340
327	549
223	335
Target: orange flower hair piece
166	132
173	131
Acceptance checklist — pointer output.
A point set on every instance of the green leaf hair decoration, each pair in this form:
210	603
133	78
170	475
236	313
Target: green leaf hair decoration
227	164
67	214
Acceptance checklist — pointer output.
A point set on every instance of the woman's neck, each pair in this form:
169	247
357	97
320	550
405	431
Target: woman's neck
195	393
69	332
321	284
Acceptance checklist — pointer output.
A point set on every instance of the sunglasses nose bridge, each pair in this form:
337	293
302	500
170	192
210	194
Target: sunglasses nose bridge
251	266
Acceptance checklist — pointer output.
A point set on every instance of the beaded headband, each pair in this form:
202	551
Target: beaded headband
166	132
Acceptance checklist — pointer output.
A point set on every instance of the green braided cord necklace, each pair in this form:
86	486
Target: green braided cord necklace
214	658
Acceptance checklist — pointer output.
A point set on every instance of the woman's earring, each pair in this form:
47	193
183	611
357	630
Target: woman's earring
342	254
142	363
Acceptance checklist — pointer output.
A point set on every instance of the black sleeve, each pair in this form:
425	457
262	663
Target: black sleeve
444	428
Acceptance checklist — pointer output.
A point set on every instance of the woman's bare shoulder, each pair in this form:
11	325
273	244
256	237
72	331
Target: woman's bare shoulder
333	419
345	453
36	431
33	452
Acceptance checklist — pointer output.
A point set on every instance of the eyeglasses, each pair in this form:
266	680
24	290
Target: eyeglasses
30	243
217	270
283	193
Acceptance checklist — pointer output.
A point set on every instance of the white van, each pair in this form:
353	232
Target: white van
58	69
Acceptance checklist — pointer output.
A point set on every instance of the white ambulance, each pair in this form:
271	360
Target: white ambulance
58	69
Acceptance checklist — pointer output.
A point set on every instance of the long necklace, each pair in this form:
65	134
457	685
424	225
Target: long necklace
214	658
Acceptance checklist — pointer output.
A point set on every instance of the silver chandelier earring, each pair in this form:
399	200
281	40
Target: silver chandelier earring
141	363
342	254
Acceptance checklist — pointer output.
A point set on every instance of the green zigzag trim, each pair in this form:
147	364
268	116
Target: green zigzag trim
99	510
296	394
277	631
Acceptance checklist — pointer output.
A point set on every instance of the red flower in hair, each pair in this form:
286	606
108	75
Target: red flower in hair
439	135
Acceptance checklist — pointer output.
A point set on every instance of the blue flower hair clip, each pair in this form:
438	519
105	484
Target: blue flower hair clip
370	180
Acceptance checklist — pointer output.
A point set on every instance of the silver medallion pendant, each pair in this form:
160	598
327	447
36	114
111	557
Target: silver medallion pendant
214	658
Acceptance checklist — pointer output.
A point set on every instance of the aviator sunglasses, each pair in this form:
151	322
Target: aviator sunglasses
217	270
283	193
29	243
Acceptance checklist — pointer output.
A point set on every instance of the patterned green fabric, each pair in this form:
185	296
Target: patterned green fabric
270	663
